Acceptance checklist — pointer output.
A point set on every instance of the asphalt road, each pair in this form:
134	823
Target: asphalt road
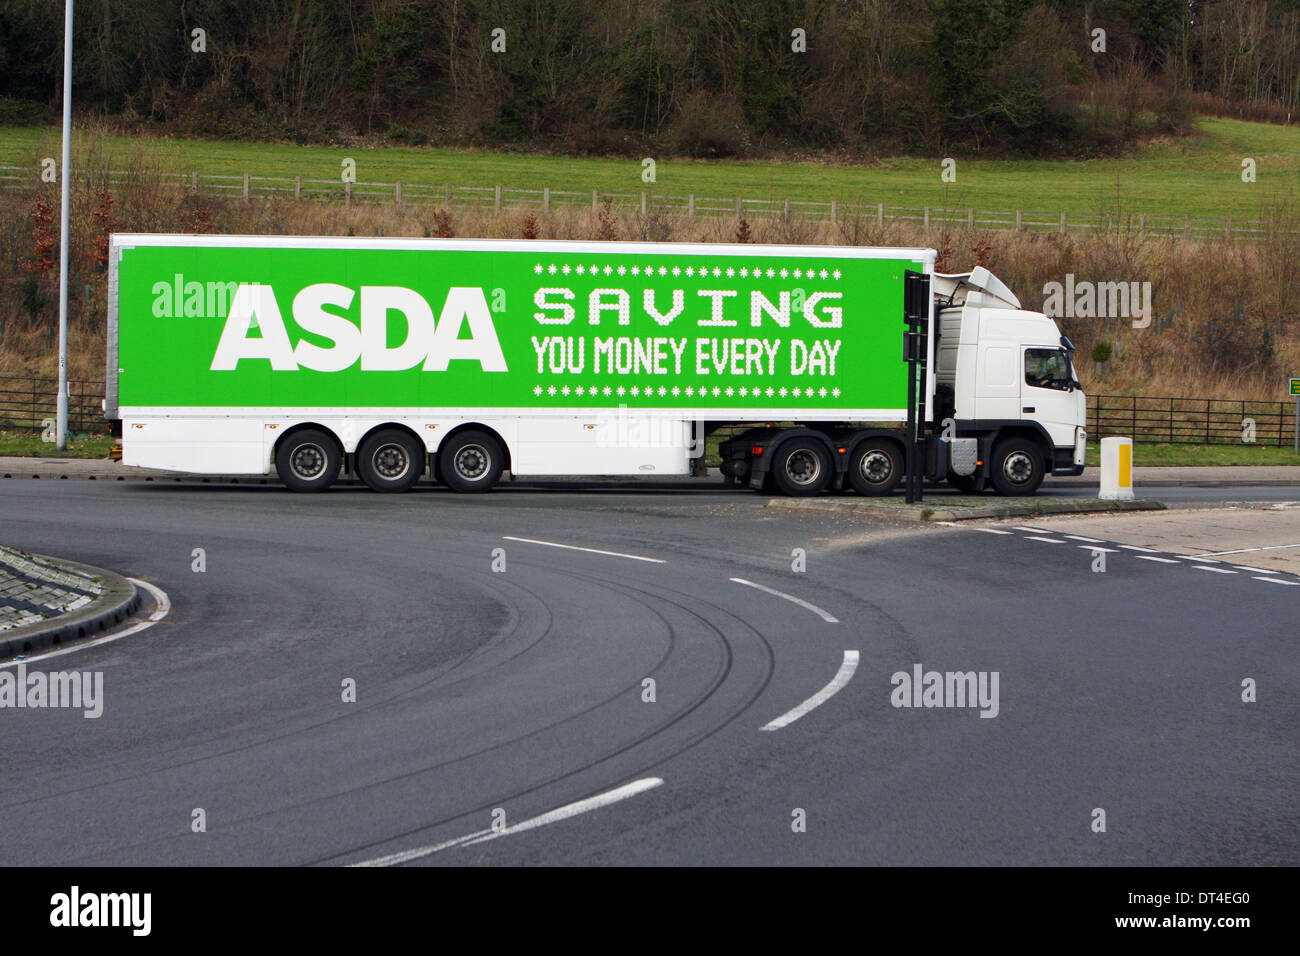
522	690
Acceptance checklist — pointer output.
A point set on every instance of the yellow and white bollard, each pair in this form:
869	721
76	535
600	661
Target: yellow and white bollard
1116	469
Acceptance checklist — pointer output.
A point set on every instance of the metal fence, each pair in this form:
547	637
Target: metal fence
1198	421
27	403
500	198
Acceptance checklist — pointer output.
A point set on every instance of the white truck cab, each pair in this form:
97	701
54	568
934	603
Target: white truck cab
1005	376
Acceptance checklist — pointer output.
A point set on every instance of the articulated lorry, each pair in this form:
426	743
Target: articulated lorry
825	368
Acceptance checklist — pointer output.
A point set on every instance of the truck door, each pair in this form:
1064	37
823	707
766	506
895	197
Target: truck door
1048	394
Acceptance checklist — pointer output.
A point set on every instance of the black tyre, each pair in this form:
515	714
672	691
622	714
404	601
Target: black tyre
308	460
967	484
801	467
875	467
1017	467
471	461
390	460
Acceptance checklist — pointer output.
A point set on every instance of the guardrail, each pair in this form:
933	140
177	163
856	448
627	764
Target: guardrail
500	198
27	403
1191	421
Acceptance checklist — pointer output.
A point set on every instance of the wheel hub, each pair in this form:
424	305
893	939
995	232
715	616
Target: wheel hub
308	461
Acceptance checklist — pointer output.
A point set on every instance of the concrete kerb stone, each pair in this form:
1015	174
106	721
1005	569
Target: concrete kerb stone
117	600
963	509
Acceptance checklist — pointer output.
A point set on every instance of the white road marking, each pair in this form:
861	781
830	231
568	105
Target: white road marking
1147	557
574	547
992	531
1134	547
1194	557
842	677
1279	581
1206	567
825	615
1271	547
551	816
1034	530
1091	547
163	607
1079	537
1034	537
1242	567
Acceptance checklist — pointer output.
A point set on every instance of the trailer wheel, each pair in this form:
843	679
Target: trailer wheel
1017	467
875	467
801	467
390	460
308	460
471	461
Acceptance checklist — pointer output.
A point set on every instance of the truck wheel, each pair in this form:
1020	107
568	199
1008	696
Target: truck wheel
966	484
1017	467
471	461
390	460
308	460
875	467
801	467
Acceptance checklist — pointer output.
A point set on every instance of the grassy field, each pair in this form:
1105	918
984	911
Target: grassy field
1199	176
29	444
1155	454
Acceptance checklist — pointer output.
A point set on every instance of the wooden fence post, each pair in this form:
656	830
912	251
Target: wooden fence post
690	207
546	199
496	198
1018	220
1062	223
245	185
833	218
448	195
643	203
880	213
397	192
927	217
297	187
595	200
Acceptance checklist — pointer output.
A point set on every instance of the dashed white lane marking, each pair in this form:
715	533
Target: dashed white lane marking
1034	530
1278	581
1149	557
1134	547
1242	567
824	615
842	677
1195	557
1093	547
551	816
1035	537
1079	537
1271	547
574	547
992	531
1206	567
162	606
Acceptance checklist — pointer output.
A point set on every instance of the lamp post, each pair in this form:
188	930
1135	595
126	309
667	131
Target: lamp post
61	402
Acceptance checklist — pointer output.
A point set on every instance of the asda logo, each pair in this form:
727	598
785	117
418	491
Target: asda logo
355	327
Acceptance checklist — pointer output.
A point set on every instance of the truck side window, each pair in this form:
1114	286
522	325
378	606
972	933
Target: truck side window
1047	368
